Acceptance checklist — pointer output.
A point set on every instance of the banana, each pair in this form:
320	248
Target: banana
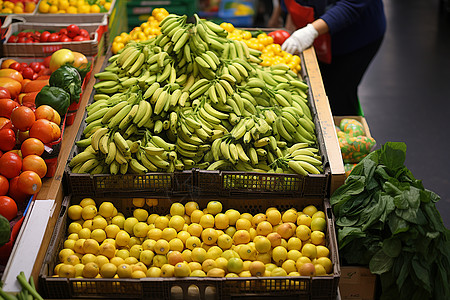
209	118
198	92
192	123
81	158
129	117
160	142
299	84
134	146
107	75
308	167
234	156
234	106
241	153
136	167
120	157
228	77
83	143
233	51
131	59
147	163
123	168
96	113
297	168
142	107
311	160
281	100
113	111
261	142
215	113
114	168
121	143
106	84
137	64
129	82
161	102
158	128
225	150
158	161
227	86
91	127
255	83
226	51
241	69
161	77
279	78
282	130
208	59
303	151
88	165
219	165
220	91
97	136
215	149
144	76
115	120
212	94
268	78
253	155
147	115
151	90
98	169
197	84
309	126
235	73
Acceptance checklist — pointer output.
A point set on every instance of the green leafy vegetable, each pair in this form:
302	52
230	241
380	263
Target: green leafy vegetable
67	78
386	219
5	230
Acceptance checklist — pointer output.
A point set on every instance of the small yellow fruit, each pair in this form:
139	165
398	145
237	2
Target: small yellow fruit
154	272
106	209
310	210
74	212
190	207
90	270
233	216
124	271
181	269
214	207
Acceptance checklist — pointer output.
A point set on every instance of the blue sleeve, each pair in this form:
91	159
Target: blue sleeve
344	13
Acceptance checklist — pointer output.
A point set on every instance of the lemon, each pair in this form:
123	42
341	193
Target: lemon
193	242
124	271
278	272
108	270
134	241
195	229
187	255
230	231
99	235
318	224
294	254
303	232
235	265
167	270
135	251
100	260
177	222
177	209
310	210
122	253
129	224
79	270
168	233
67	271
193	265
161	222
309	250
198	254
243	224
232	275
149	244
159	260
131	260
88	212
318	214
119	221
140	214
322	251
190	207
221	221
320	270
224	241
257	268
73	236
208	264
247	216
151	218
275	239
87	201
294	243
207	221
227	254
289	215
161	247
318	237
78	247
304	220
111	231
139	202
74	212
99	222
245	252
140	229
258	218
262	244
176	245
241	237
90	270
214	207
196	216
154	234
44	7
181	270
183	236
233	216
153	272
289	266
72	260
209	236
264	228
74	227
91	246
326	263
214	252
141	267
69	244
279	255
117	261
122	238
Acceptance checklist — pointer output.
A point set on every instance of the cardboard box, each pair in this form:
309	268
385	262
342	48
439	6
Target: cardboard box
357	283
88	48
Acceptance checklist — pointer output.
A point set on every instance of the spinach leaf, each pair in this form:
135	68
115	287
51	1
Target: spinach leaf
381	263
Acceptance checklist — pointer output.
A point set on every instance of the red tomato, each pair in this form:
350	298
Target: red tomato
22	34
63	31
44	36
80	38
32	146
7	139
22	39
29	41
46	61
10	165
84	32
15	192
279	36
16	66
4	93
73	30
29	34
28	73
5	123
24	65
8	207
29	182
36	66
23	118
4	185
6	107
54	37
65	39
12	39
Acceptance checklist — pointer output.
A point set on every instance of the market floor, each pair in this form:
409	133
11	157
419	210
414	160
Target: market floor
405	93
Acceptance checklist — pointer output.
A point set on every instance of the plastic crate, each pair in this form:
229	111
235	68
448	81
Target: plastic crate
301	287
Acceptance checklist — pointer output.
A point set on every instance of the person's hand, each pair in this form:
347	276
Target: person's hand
300	40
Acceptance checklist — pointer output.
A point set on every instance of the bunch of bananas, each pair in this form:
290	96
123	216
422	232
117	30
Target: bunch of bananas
271	53
192	98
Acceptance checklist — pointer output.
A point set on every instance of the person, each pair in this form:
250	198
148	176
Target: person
356	29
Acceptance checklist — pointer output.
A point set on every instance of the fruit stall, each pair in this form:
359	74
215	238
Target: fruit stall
183	157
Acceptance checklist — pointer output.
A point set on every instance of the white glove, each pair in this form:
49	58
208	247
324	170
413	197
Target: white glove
300	40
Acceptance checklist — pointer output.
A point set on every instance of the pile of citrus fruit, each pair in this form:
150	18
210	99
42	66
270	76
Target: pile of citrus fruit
189	241
74	6
17	7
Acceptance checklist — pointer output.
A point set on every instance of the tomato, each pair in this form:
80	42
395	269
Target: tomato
80	38
28	73
8	207
65	39
15	192
44	36
7	62
6	107
7	139
16	66
84	32
10	164
29	41
12	39
73	30
4	185
13	86
54	37
61	57
34	163
5	123
35	76
32	146
279	36
36	66
11	73
49	113
23	118
42	129
63	31
22	39
29	182
4	93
